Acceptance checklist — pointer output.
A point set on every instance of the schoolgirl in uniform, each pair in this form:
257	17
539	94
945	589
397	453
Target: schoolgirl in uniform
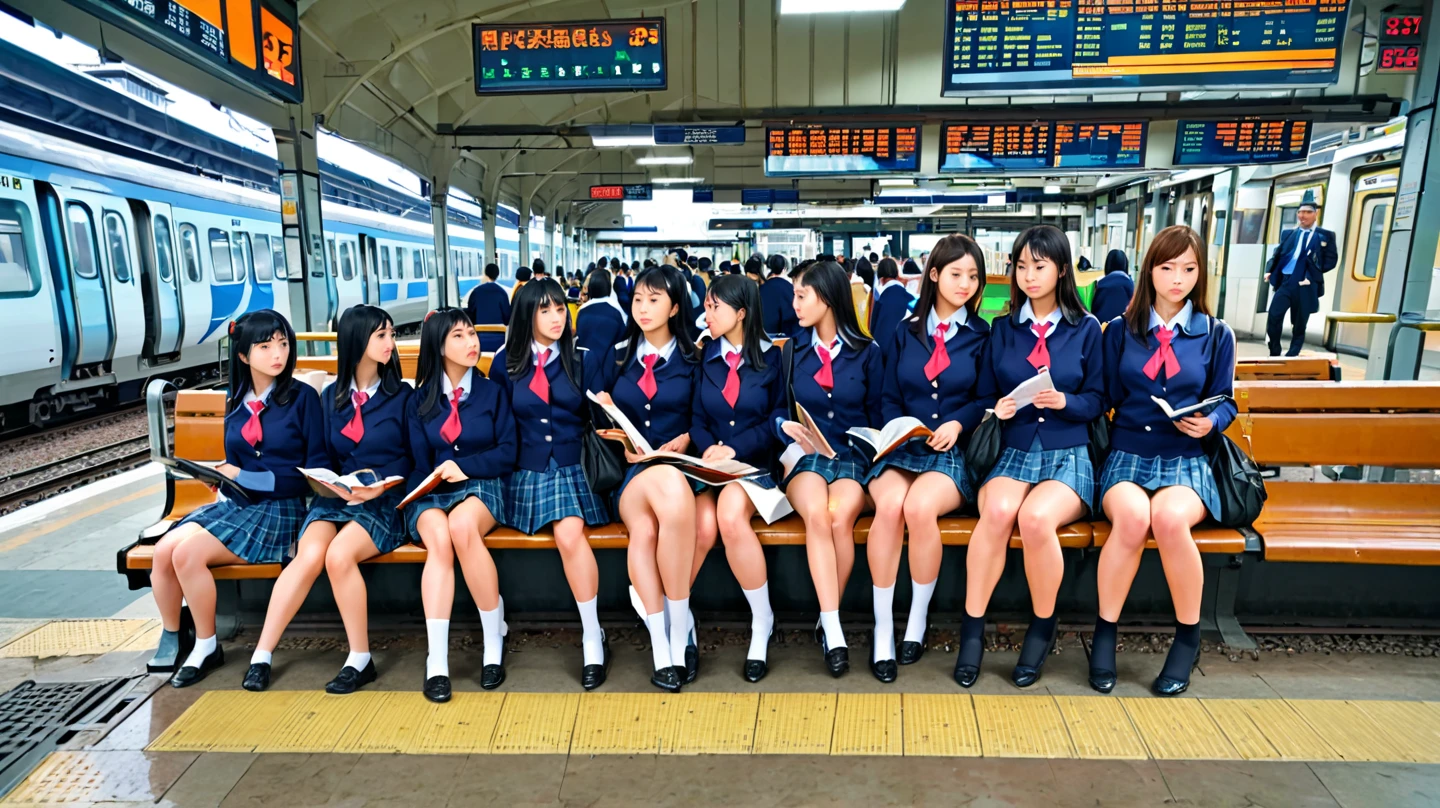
932	366
541	369
1157	477
364	428
837	377
650	376
461	424
739	393
273	426
1044	476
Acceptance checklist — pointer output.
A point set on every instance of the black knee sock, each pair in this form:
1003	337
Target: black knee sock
1102	646
1037	641
972	640
1182	654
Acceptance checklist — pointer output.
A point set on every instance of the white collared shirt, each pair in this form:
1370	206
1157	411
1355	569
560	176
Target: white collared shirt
955	322
466	384
1028	314
1301	237
369	391
536	348
250	396
1178	321
726	349
832	350
646	349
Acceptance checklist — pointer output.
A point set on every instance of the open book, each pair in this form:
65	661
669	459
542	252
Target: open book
426	486
1024	392
329	484
882	441
1203	408
241	489
711	472
822	446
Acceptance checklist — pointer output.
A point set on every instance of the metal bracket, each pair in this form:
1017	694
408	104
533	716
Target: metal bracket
227	609
1217	603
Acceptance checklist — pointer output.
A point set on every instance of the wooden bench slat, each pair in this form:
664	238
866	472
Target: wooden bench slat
1309	397
1208	538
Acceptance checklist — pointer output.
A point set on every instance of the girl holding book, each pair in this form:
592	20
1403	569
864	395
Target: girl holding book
932	365
1044	477
1157	478
273	427
462	430
542	370
364	429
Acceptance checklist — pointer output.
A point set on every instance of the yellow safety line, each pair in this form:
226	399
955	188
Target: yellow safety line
76	638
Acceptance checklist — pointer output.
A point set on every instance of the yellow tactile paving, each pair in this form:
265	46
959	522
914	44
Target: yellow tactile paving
1349	731
388	723
535	724
1178	729
712	724
868	724
622	724
462	727
795	724
314	723
85	778
227	721
146	639
1100	728
940	725
1267	729
1022	726
73	638
1410	724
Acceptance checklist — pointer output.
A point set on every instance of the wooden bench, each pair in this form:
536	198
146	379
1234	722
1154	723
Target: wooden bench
408	351
1288	369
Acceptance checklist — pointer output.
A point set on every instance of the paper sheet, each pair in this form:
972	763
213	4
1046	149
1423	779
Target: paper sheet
1025	392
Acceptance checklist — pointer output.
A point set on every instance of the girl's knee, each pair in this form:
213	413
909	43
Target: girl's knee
917	510
733	522
1169	524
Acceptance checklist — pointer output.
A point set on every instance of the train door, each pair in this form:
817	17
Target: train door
1368	222
118	254
159	277
31	338
369	270
85	278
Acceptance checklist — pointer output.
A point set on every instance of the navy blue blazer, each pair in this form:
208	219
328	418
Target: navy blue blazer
663	418
486	447
489	305
1112	295
859	377
292	437
548	430
953	395
624	291
697	285
598	327
1320	257
892	307
777	306
748	428
385	446
1077	367
1205	348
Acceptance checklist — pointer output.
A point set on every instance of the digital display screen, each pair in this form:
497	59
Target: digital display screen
634	193
568	57
1241	141
1058	45
1041	145
1397	59
819	149
1399	41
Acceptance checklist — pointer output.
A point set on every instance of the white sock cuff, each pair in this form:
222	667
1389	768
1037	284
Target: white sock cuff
261	657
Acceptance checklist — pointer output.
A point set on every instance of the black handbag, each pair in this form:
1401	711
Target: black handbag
787	365
983	450
600	459
1238	480
1099	445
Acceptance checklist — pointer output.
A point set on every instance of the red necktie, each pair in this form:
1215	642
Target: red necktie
647	379
824	377
939	358
540	383
1040	355
355	430
251	431
731	390
1164	355
450	430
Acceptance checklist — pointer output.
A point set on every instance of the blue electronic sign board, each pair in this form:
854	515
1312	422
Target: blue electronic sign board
796	150
1040	145
569	57
672	135
1241	141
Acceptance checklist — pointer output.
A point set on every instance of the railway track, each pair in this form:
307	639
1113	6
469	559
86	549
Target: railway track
47	479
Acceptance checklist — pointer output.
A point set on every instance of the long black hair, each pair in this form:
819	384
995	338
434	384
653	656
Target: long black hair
1046	243
251	329
519	357
597	286
667	280
357	325
433	333
777	264
947	251
1117	261
741	294
831	283
866	271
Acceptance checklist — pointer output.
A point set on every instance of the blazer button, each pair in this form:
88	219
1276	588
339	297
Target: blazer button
719	443
547	438
647	406
544	420
1147	429
934	382
829	395
732	423
647	423
1042	420
830	415
257	452
934	415
934	396
457	447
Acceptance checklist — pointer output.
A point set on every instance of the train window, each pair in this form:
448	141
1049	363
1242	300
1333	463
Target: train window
277	249
401	254
220	256
240	251
19	273
164	250
82	241
347	262
385	271
430	264
419	263
264	269
334	258
1379	224
117	244
190	252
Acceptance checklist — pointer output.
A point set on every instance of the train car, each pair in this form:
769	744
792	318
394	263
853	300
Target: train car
466	229
507	239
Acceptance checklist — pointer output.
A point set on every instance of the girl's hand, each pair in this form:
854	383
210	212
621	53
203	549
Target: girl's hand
1050	400
451	473
1005	408
800	435
679	444
1196	426
228	470
945	437
364	494
633	457
717	452
605	399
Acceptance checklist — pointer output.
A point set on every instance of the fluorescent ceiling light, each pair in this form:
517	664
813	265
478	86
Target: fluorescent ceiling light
621	141
830	6
1052	189
672	160
896	183
676	180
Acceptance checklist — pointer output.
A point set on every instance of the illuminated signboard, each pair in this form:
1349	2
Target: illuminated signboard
1060	45
1398	45
1241	141
677	135
1039	145
817	149
634	193
569	57
252	40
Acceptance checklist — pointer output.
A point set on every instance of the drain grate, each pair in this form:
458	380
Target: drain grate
34	717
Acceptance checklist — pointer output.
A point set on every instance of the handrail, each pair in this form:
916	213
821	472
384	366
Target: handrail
155	393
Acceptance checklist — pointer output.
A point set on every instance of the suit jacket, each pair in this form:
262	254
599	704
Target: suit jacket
1320	257
489	305
1112	296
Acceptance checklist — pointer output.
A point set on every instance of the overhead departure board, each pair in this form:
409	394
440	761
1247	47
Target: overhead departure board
604	56
818	149
1099	45
1241	141
252	40
1040	145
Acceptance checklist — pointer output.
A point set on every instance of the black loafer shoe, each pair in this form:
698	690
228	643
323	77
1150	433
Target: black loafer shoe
965	675
492	676
1024	675
1102	681
257	679
755	670
592	676
167	653
692	660
348	680
1165	686
885	670
837	660
187	676
437	689
910	652
667	679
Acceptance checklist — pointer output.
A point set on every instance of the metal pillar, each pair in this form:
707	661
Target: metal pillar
492	247
444	291
312	288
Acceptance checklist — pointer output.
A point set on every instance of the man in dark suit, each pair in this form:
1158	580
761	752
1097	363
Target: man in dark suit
777	298
1297	274
489	305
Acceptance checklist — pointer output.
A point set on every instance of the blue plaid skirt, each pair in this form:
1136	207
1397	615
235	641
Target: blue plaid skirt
262	533
490	491
1069	466
635	469
762	480
848	464
1155	473
537	498
918	458
380	518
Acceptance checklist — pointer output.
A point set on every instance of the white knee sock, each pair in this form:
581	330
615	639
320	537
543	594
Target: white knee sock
830	624
638	604
204	647
357	660
659	642
884	622
260	657
679	613
762	620
919	610
492	625
592	640
437	662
